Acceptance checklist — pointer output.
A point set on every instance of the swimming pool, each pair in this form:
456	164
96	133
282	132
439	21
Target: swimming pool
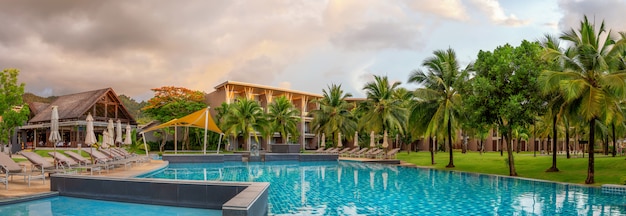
61	205
353	188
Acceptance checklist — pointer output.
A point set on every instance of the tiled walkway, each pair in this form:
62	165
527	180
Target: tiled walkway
19	188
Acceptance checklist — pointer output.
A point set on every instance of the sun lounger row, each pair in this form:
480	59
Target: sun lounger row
360	153
10	168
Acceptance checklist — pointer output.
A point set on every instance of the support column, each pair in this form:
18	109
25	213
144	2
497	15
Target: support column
303	101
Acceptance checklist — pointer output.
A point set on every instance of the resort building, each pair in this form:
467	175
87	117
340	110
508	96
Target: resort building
102	104
229	91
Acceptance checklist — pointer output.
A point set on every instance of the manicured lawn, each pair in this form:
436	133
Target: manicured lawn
608	170
44	153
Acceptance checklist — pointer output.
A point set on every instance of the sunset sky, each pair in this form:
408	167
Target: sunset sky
64	47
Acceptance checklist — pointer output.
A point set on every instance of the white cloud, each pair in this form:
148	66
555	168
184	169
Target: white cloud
496	13
449	9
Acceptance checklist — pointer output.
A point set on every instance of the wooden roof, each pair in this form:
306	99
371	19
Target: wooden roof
76	106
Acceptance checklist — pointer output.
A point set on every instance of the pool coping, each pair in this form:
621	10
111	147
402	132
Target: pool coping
20	199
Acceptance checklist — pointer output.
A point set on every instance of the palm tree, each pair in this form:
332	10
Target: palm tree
589	81
406	98
334	114
383	111
440	80
284	117
244	117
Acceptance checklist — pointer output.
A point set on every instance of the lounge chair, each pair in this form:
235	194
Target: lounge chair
375	154
78	158
392	153
348	153
319	150
72	164
343	151
40	163
359	153
11	168
332	151
109	162
131	156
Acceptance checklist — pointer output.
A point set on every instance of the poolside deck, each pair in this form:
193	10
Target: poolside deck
19	188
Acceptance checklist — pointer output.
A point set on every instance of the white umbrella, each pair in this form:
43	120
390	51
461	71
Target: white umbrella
356	139
110	133
339	140
372	144
385	143
128	140
105	139
118	133
90	138
55	137
323	145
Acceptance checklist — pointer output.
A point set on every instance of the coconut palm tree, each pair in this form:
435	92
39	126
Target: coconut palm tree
440	80
333	115
245	117
589	81
284	117
382	111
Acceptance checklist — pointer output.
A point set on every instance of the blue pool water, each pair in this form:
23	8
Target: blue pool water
61	205
351	188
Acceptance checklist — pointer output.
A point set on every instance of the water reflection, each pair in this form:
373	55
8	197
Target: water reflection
304	189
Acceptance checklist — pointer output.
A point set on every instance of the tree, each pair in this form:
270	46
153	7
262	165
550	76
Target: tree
284	118
382	111
505	91
406	102
440	80
589	81
245	117
13	111
174	102
134	108
334	114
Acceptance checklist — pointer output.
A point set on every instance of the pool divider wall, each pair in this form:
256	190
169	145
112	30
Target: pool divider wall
215	158
198	158
233	198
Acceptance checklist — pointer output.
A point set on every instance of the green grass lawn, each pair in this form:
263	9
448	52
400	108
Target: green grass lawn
44	153
608	170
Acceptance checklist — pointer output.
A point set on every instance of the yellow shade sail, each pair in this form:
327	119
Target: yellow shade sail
200	119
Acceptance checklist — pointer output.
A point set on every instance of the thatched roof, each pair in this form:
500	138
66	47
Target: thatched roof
74	106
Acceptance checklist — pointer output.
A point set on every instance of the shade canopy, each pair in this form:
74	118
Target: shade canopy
196	119
356	139
323	145
199	119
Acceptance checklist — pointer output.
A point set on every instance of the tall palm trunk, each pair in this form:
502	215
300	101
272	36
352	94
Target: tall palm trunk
567	139
451	163
554	141
432	150
614	141
590	165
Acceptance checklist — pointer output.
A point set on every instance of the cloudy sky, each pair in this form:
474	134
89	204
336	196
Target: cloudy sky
64	47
